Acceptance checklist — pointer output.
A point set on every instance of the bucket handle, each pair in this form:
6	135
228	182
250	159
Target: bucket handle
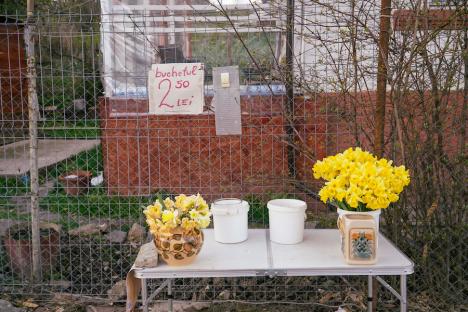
226	212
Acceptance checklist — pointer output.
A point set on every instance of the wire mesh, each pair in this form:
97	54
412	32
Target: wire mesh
92	63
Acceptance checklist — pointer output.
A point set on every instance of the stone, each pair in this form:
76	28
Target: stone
224	295
104	309
63	298
184	306
118	291
89	229
45	188
137	234
149	237
56	227
5	225
117	236
147	256
48	216
218	281
30	304
62	284
6	306
79	104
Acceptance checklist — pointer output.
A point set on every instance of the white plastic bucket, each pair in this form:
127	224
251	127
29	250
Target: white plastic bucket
374	213
287	218
230	219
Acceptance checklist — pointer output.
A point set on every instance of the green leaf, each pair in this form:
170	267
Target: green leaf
161	201
342	205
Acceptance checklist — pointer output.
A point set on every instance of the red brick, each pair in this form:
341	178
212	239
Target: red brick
183	154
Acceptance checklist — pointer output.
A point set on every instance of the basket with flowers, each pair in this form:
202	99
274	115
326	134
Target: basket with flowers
176	227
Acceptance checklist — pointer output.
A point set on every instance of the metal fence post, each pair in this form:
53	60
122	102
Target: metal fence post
33	113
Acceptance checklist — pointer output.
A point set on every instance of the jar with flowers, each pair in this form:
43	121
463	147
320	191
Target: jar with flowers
177	226
358	182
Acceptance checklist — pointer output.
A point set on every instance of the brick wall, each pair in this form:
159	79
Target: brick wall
182	153
13	79
13	84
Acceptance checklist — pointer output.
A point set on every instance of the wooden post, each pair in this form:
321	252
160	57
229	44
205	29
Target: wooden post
33	110
384	36
289	111
465	87
385	12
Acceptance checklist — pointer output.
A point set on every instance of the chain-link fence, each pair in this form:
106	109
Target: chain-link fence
92	60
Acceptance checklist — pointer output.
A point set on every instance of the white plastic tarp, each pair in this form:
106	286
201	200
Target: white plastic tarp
127	51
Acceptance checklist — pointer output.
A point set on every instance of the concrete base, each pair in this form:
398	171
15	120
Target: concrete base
14	158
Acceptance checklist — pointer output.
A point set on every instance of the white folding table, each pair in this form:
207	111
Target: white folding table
318	255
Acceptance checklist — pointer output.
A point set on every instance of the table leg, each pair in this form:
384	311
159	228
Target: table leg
169	294
403	300
369	293
144	294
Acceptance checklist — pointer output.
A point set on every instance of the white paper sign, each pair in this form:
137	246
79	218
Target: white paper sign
176	88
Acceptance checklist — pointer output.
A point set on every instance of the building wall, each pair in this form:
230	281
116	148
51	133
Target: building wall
13	84
182	154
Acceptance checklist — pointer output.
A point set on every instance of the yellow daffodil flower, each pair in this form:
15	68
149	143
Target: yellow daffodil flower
356	177
153	211
188	212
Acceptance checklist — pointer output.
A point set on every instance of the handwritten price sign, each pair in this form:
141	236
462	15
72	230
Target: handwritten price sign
176	88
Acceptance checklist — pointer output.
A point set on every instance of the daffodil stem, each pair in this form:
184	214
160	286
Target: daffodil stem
161	201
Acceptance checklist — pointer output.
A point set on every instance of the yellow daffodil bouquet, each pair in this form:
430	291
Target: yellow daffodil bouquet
359	181
187	212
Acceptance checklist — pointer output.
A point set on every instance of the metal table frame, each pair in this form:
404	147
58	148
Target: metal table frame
272	271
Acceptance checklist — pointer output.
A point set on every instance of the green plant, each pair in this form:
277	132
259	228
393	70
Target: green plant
96	203
88	160
79	129
8	211
326	221
13	186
